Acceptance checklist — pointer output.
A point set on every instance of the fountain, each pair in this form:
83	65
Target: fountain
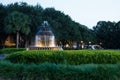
45	39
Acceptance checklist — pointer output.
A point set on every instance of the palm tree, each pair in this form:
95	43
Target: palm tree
17	22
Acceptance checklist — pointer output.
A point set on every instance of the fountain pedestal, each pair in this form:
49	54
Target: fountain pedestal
45	48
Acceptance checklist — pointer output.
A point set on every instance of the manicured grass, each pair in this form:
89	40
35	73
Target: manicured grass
61	65
10	50
50	71
74	57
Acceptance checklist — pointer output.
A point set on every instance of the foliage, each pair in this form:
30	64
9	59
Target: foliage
108	33
61	24
75	57
34	14
2	17
67	31
17	22
8	70
11	50
48	71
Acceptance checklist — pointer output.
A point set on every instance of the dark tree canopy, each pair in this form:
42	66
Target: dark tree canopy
108	33
66	30
3	14
17	23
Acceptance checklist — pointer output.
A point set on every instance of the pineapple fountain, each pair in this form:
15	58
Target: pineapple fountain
45	39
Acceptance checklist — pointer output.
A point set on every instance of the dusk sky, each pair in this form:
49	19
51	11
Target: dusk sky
86	12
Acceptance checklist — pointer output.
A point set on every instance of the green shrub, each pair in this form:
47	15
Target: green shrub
74	57
9	70
49	71
11	50
36	57
88	56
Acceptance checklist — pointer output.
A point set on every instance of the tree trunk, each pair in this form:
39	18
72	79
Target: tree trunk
26	43
78	45
17	40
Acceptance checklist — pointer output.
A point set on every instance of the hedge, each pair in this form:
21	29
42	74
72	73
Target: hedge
11	50
50	71
75	57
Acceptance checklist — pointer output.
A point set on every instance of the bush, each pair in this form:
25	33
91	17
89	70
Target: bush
11	50
9	70
36	57
49	71
74	57
88	56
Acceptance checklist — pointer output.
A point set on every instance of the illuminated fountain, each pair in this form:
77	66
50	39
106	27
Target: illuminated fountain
45	39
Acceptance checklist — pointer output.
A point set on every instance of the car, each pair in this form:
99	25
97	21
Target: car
93	47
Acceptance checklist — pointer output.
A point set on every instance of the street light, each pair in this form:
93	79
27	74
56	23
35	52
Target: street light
81	41
100	43
82	46
89	42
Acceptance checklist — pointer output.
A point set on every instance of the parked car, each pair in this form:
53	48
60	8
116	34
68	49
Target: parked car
93	47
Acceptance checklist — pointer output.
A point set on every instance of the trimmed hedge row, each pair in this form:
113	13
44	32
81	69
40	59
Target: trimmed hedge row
49	71
11	50
74	57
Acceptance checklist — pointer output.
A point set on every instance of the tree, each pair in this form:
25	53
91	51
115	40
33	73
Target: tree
108	33
62	25
34	13
2	16
117	34
17	22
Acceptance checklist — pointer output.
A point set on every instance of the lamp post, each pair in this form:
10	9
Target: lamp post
82	46
100	43
89	42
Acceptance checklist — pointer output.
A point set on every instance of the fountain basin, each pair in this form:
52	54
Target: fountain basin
44	48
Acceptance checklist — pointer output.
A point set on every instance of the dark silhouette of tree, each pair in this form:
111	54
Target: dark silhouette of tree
108	33
17	22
